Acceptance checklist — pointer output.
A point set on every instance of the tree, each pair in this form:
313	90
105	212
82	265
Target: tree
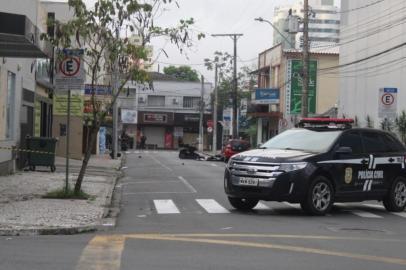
184	73
400	122
95	29
369	122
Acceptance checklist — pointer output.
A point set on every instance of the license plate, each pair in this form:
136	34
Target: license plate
247	181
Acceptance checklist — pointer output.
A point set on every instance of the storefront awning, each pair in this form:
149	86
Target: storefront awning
19	37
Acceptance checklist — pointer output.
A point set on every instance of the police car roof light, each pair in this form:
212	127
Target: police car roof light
326	122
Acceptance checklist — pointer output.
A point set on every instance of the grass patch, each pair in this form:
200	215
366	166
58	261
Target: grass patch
69	194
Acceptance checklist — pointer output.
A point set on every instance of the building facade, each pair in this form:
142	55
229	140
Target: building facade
324	24
22	22
372	58
167	111
279	81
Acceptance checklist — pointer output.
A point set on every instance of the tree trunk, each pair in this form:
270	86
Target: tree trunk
88	153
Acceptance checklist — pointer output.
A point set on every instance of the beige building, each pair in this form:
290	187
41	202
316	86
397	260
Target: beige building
279	75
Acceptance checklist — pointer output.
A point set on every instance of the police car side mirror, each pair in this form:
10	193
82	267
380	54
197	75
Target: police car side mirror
344	150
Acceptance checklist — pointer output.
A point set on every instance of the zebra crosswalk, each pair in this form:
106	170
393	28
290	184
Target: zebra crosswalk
211	206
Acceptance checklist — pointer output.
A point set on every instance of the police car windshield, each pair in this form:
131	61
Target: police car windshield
303	140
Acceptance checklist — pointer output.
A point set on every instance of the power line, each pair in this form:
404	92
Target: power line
361	7
366	58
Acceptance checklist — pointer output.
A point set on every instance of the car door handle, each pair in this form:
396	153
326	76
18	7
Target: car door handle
391	160
364	161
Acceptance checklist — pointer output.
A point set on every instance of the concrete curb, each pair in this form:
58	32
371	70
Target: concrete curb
49	231
107	221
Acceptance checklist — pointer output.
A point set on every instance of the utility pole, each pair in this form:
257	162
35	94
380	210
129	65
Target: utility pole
200	146
215	111
235	85
115	109
305	75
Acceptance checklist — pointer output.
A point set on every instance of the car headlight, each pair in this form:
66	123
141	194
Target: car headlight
289	167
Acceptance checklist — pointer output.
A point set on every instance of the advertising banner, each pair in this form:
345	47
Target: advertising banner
296	86
129	116
61	105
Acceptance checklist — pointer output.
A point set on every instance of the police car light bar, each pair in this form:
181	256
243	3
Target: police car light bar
326	122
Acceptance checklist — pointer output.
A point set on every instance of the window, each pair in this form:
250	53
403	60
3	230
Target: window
156	101
373	142
392	144
141	100
11	89
304	140
352	140
191	102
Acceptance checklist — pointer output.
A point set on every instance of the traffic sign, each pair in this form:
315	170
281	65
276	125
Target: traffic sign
210	129
387	103
70	73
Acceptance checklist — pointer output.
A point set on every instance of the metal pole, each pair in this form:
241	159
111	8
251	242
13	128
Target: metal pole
67	144
215	111
115	109
201	117
305	75
235	120
234	92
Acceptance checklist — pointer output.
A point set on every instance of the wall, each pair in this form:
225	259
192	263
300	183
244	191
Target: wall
360	83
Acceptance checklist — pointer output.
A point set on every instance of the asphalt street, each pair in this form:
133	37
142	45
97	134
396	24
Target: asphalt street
175	215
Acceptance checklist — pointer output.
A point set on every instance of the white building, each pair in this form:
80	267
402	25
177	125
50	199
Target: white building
373	34
324	24
167	110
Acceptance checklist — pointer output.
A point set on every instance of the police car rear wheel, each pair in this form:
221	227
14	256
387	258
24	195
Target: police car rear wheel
395	201
319	198
243	204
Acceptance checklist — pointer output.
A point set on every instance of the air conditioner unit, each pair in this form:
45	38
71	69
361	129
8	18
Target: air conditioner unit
141	100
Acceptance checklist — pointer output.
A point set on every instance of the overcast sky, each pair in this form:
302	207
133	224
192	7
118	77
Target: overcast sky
218	16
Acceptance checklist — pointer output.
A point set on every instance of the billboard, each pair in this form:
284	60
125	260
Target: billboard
129	116
294	102
266	96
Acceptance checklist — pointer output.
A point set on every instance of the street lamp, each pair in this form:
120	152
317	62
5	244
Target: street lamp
260	19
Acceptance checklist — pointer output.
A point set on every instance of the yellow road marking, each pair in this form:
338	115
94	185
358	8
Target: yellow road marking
300	249
102	253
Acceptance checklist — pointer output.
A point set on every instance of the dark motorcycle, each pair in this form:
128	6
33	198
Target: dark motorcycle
188	152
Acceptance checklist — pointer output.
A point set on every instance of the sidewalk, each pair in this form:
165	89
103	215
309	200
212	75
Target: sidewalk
23	210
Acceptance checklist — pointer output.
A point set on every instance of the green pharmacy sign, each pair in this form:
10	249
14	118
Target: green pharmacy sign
296	86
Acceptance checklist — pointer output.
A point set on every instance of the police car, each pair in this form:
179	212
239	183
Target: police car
321	162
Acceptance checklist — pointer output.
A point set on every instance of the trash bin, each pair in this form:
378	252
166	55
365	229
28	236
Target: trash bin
41	152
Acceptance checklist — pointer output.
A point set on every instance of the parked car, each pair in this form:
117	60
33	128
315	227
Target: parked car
319	164
233	147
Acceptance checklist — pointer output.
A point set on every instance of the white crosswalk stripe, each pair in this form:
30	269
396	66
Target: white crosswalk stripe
212	207
293	205
261	206
377	206
364	214
166	207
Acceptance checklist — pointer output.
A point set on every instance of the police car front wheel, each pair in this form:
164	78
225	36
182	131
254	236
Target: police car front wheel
319	198
395	200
